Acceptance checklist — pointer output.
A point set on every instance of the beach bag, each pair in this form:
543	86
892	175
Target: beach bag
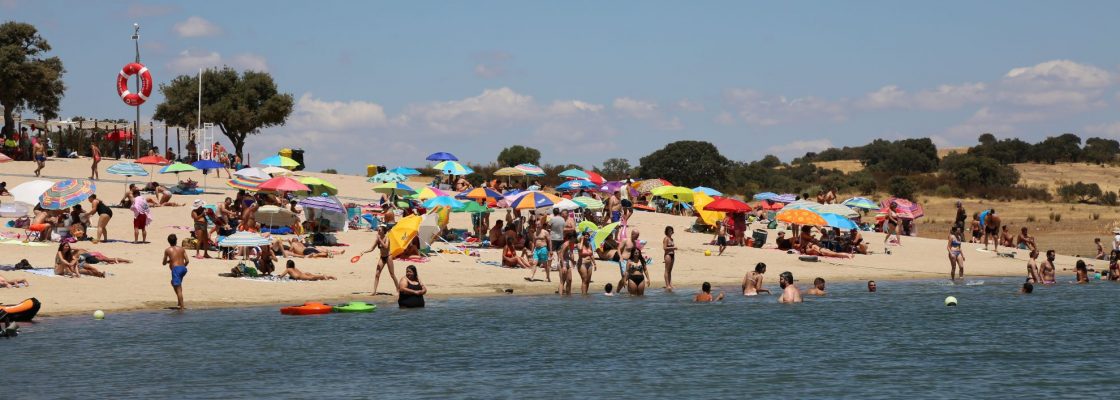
244	270
190	244
772	225
22	222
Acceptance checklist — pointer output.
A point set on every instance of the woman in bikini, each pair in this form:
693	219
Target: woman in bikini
586	262
67	263
565	272
381	242
956	256
811	246
294	273
96	155
104	214
637	275
670	257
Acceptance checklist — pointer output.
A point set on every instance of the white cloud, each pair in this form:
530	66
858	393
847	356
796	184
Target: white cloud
249	61
757	108
196	26
494	108
689	105
635	108
1063	73
312	113
941	98
1109	129
189	61
890	96
800	147
725	118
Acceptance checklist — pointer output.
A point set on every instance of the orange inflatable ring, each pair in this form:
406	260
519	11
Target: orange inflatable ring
24	311
308	308
145	89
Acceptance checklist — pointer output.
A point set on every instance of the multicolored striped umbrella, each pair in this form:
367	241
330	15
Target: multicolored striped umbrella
579	184
575	173
279	161
801	217
283	183
837	209
394	188
861	202
428	192
387	177
244	239
530	169
453	168
245	183
589	203
648	185
533	200
595	177
509	171
482	193
67	193
325	203
127	169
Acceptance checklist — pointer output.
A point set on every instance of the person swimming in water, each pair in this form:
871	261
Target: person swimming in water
818	288
705	295
752	282
790	294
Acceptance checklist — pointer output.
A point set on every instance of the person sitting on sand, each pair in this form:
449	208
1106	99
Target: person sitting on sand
297	248
811	246
752	282
44	223
512	259
4	189
67	263
818	287
784	244
13	283
790	294
496	237
1025	241
266	260
1100	249
294	273
705	295
1005	238
859	246
1047	269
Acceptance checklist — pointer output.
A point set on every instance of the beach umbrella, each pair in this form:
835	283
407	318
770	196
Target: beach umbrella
766	196
276	216
699	201
575	174
207	164
648	185
387	177
675	193
325	203
394	188
837	209
770	205
707	190
402	234
600	235
472	207
802	205
586	226
118	135
785	198
860	202
276	171
533	200
318	186
176	168
452	168
67	193
283	183
29	192
244	239
594	177
152	160
482	193
279	161
127	169
442	201
589	203
404	171
530	169
574	185
509	171
801	217
613	186
905	208
4	158
442	156
725	204
838	221
428	192
568	205
246	183
252	172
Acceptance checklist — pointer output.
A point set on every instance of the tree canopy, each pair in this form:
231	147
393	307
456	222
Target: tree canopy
238	104
518	154
972	172
615	168
687	163
28	80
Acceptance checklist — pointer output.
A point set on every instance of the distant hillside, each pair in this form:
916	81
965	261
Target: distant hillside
1108	177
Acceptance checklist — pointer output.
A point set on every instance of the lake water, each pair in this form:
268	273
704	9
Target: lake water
899	342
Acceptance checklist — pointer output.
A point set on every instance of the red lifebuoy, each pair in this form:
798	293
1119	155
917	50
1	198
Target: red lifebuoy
145	90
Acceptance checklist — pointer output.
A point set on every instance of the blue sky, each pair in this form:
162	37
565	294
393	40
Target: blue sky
390	82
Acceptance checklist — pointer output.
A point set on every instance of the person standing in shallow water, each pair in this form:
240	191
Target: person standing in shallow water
670	256
411	290
790	293
175	258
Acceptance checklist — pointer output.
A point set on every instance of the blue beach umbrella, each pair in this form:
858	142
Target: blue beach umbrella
207	164
575	173
861	202
405	171
442	156
443	201
765	196
838	221
576	185
453	168
387	177
707	190
127	169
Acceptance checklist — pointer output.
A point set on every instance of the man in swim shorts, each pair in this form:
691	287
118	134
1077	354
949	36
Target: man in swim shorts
175	258
40	154
614	203
1047	269
540	254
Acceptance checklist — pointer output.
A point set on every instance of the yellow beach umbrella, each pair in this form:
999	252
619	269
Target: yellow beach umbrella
403	233
318	186
509	171
699	200
801	217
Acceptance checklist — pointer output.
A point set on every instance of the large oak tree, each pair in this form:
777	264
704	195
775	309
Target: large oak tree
28	80
238	104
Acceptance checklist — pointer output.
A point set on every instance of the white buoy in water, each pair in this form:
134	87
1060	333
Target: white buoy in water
950	301
98	314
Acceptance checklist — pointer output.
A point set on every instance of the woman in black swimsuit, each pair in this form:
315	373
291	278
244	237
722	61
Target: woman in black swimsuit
670	256
411	290
382	244
104	215
637	275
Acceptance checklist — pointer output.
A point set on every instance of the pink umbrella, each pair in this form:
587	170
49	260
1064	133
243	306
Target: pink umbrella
283	183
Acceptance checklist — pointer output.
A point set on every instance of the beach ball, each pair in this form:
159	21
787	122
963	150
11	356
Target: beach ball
950	301
707	252
98	314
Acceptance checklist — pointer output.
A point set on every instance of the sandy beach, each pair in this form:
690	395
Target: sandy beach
144	284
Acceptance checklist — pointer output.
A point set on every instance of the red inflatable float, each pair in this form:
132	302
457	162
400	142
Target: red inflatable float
309	308
145	90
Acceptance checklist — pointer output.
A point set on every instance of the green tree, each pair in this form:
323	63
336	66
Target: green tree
28	79
518	154
1080	192
1064	148
615	168
973	172
1100	151
901	187
238	104
770	161
687	163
